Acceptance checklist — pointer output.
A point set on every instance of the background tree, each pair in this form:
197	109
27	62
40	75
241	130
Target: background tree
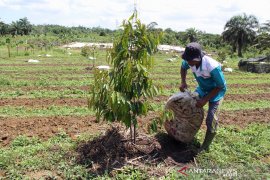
240	31
24	26
262	41
211	40
152	26
191	35
90	53
3	28
169	37
8	42
14	29
17	44
121	94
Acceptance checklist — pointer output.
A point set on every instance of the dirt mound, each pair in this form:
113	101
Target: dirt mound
43	174
46	127
114	150
242	118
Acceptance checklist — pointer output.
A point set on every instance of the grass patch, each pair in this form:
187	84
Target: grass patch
66	92
238	105
241	150
227	105
49	111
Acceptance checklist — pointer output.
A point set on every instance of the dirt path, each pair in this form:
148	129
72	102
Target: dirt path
43	102
45	127
45	64
242	118
247	97
86	88
80	102
230	97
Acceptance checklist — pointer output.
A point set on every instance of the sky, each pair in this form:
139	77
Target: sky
209	16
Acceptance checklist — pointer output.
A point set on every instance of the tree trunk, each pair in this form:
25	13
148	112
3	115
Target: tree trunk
234	48
240	50
133	133
8	50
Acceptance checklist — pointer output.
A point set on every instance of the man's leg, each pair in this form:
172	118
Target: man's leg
211	123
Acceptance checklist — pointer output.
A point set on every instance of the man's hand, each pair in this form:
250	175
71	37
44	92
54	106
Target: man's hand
183	87
205	99
200	103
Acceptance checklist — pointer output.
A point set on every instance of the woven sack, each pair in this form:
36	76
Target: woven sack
187	117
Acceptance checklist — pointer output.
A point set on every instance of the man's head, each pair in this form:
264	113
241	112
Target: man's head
193	53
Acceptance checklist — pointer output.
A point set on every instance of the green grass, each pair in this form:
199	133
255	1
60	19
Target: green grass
65	92
248	90
75	91
21	111
238	105
31	155
226	105
47	82
241	150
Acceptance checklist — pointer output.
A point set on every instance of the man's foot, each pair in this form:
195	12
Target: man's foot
209	136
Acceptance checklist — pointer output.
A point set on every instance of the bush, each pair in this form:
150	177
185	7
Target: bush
5	82
102	33
86	50
221	56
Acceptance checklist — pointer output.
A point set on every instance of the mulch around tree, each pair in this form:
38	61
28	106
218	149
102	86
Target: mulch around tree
114	150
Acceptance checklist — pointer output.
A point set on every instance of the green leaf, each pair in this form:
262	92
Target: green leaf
116	95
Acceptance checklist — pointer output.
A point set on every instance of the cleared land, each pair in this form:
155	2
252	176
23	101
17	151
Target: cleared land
46	99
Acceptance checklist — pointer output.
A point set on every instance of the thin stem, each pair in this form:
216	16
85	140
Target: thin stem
134	135
131	134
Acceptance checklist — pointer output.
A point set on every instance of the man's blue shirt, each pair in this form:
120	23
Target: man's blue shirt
209	76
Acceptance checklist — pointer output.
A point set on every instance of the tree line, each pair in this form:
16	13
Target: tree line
241	32
24	27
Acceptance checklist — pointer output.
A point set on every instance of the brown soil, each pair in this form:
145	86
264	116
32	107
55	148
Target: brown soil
42	65
2	173
46	127
256	86
80	102
229	97
242	118
43	102
43	174
266	159
263	87
247	97
55	72
38	72
114	150
52	78
48	88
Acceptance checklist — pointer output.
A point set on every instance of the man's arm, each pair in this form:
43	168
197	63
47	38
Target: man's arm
218	77
183	74
205	99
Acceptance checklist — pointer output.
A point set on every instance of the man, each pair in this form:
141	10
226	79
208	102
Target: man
212	85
